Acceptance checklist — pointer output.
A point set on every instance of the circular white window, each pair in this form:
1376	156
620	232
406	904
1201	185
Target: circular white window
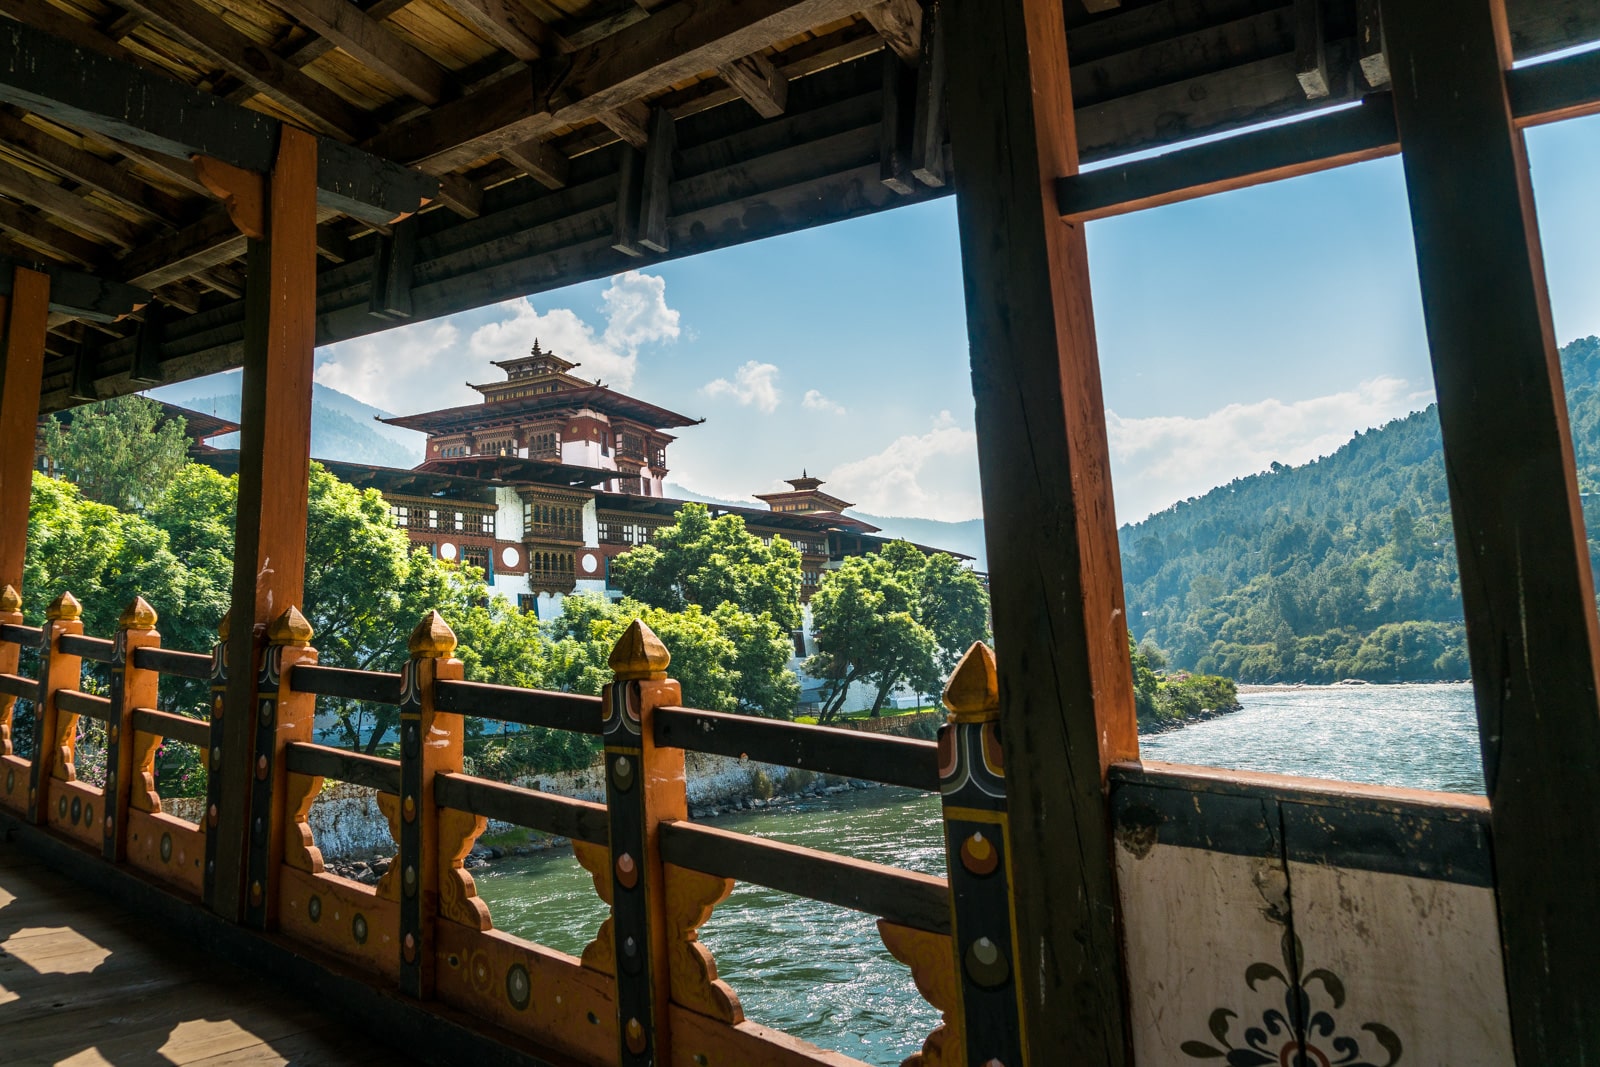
509	557
447	551
590	564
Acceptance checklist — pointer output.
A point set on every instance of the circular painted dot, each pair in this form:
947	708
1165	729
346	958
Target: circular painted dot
408	808
166	848
410	880
61	807
979	855
409	947
986	964
448	551
88	815
519	990
77	809
630	947
358	929
110	824
266	712
111	733
627	871
255	893
261	768
634	1032
216	757
211	815
314	908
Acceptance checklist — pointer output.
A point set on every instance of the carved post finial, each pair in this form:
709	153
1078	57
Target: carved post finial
639	654
290	628
64	608
433	638
225	627
138	615
10	599
973	692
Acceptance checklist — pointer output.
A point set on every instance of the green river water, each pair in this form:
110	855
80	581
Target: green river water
821	972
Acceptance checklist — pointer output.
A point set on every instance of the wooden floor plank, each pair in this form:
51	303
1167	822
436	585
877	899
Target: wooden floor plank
83	982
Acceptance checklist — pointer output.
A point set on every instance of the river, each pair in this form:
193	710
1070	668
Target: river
821	972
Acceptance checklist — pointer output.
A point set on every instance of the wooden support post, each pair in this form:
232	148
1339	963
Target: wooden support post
10	658
630	183
52	728
1310	49
281	716
899	116
1526	586
644	788
430	744
21	374
274	455
146	368
1371	54
131	688
654	197
391	272
977	839
931	123
1066	690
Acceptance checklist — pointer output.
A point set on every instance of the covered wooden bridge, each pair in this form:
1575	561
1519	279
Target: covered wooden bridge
193	185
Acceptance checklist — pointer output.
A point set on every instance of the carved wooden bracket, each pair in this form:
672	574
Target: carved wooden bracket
601	953
458	893
388	886
932	959
143	796
299	848
691	896
243	193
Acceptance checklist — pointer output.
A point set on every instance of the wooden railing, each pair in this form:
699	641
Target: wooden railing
645	990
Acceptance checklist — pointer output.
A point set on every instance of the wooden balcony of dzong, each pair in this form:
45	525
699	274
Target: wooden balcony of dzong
187	188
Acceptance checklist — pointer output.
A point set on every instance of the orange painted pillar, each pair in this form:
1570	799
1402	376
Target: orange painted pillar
274	453
21	374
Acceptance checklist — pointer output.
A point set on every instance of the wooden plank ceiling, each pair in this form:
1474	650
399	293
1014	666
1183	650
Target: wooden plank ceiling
577	138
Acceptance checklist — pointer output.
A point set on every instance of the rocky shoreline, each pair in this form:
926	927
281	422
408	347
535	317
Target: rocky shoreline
1166	725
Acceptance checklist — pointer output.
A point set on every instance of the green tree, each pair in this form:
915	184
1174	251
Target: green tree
590	626
895	617
705	561
118	452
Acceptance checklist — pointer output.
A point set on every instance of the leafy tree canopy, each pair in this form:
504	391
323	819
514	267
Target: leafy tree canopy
704	561
118	452
895	617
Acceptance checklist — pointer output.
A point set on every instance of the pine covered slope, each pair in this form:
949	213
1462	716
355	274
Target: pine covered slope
1344	567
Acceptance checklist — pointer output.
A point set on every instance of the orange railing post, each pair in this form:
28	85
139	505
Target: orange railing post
54	731
10	659
131	687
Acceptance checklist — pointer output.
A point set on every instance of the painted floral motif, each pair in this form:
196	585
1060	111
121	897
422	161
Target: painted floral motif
1304	1033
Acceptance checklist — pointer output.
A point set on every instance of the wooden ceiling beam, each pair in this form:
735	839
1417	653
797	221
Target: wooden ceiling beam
677	42
67	206
83	89
371	42
258	67
510	25
630	122
212	240
763	86
899	23
18	220
53	20
86	168
461	195
542	162
75	293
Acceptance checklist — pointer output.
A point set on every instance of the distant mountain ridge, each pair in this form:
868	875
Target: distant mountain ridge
342	427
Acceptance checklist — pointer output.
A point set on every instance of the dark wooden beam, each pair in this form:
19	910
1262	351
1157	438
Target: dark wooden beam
510	25
210	240
19	221
77	87
899	116
392	272
630	122
1558	89
1351	135
461	195
1059	620
54	200
541	161
258	67
78	294
51	19
899	23
1526	587
673	44
371	42
655	197
1310	49
86	168
1370	54
630	187
763	86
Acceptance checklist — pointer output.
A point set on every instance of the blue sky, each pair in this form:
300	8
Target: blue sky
1266	324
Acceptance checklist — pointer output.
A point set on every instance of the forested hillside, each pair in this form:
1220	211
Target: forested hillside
1342	568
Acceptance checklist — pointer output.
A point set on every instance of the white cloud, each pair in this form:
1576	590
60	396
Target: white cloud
423	366
753	383
404	369
932	475
817	402
1163	459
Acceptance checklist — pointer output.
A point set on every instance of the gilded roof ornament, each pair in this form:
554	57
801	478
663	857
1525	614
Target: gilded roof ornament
138	615
640	654
290	628
973	692
64	608
433	638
